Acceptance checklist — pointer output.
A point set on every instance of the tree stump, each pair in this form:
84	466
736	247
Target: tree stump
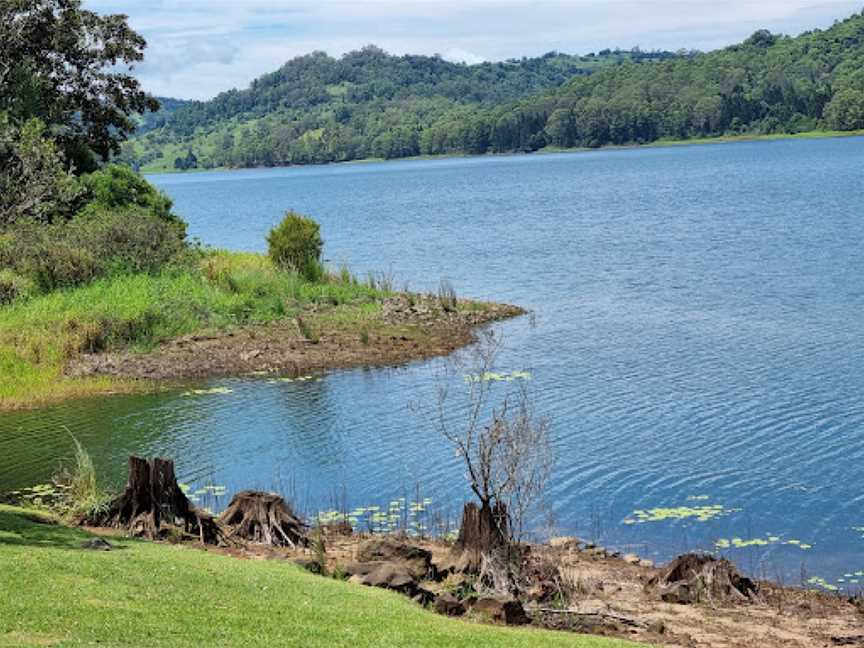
264	518
697	578
153	502
484	530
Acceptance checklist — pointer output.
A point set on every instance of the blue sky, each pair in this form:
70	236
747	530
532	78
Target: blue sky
201	47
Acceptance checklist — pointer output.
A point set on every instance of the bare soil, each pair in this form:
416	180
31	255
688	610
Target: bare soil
404	329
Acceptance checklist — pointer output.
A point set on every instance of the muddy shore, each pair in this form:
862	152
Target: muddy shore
404	329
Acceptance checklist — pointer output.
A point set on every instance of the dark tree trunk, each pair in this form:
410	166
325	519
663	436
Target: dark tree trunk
484	530
153	503
264	518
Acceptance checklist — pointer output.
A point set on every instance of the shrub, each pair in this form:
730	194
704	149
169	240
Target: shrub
295	244
97	244
59	265
116	187
129	241
14	286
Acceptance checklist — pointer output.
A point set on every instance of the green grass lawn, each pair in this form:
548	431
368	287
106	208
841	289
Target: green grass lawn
52	593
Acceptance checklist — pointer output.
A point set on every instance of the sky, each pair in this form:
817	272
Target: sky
198	48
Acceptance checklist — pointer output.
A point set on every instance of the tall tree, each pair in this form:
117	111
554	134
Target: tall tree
71	68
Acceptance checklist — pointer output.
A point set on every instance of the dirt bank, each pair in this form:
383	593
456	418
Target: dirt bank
608	596
400	329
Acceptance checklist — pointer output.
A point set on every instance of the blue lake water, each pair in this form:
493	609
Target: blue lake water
697	340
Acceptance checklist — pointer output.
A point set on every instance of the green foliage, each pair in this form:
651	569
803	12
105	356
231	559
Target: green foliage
14	286
84	495
97	243
38	336
845	112
366	105
295	244
34	183
63	65
115	187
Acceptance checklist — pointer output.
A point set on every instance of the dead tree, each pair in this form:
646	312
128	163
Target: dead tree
153	503
507	455
263	518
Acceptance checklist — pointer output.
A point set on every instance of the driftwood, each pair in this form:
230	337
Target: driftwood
153	503
635	623
263	518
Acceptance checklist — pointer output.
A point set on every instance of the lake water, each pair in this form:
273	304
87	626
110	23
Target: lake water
697	340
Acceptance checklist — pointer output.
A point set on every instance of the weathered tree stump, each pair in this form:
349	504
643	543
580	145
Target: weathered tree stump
484	531
264	518
153	502
698	578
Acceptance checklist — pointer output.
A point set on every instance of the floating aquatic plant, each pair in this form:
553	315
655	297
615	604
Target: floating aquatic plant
697	513
820	582
739	543
398	514
208	392
276	381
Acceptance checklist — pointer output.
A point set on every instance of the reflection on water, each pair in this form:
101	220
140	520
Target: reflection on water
698	343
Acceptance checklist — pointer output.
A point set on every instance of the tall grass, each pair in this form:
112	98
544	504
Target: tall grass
40	335
84	492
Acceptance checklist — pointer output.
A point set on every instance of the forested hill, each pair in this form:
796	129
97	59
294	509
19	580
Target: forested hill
368	104
365	104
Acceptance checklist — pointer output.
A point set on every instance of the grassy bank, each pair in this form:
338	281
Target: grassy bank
52	593
39	336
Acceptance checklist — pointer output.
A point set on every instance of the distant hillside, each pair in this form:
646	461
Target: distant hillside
365	104
369	104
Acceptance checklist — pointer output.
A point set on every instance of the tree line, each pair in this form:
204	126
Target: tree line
365	104
369	104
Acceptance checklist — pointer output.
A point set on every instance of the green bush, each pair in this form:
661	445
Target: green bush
54	265
295	244
127	241
116	187
14	286
96	244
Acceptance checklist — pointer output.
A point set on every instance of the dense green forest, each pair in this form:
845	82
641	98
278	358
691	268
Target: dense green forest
365	104
369	104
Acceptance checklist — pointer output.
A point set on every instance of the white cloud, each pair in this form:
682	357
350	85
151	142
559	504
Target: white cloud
201	47
459	55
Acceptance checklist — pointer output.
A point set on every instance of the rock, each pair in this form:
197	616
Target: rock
565	542
630	559
646	563
416	560
387	575
502	610
449	605
312	566
97	544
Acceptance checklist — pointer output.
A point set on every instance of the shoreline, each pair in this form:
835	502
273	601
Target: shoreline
548	150
409	328
575	591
